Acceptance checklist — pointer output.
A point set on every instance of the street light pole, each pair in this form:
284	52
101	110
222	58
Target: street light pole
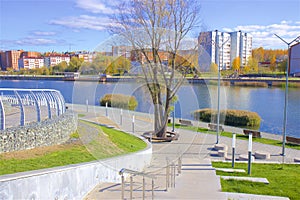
286	94
219	82
218	64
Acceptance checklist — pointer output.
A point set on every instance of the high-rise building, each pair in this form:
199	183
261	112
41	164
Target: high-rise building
222	48
241	46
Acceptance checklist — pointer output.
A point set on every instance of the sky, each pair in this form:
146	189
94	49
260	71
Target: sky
77	25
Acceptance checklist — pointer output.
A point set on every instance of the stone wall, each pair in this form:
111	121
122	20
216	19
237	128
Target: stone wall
48	132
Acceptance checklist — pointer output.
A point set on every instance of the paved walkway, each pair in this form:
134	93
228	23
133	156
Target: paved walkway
197	179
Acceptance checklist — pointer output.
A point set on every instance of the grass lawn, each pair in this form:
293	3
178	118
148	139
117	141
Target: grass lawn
239	136
104	143
284	179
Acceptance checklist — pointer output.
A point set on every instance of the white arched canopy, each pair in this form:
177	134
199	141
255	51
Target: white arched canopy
15	102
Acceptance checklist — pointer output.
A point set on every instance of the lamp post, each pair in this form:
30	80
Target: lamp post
286	93
219	82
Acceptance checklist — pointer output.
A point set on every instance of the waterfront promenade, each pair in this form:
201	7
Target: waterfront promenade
197	180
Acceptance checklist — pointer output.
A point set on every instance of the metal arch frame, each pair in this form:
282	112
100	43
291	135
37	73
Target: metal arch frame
48	104
56	100
40	97
37	106
22	117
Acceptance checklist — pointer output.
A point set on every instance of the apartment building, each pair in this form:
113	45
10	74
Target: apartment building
31	62
217	46
222	48
10	59
241	46
55	59
86	56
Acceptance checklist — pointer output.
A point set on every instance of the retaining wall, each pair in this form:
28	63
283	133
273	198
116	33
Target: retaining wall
70	182
36	134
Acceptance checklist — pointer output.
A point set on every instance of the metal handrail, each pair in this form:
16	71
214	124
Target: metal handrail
129	171
170	177
135	173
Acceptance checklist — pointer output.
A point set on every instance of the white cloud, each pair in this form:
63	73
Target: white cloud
263	35
95	6
30	41
83	22
44	33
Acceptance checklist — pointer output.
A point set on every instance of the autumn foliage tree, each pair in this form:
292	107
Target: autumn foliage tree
236	64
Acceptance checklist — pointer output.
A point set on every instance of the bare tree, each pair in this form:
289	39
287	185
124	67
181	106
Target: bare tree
157	30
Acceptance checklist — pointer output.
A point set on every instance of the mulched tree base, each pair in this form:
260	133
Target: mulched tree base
170	136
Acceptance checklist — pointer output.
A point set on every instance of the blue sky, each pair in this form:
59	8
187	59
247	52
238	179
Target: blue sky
62	25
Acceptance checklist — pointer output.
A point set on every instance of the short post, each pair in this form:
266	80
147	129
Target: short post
131	186
173	124
87	105
167	175
152	189
171	175
121	116
133	119
233	149
174	174
249	153
179	165
123	186
106	111
143	187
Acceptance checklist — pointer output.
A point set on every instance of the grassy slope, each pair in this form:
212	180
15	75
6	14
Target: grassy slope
284	179
107	143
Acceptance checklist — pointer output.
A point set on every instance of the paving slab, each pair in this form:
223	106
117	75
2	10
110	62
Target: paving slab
230	170
252	179
243	196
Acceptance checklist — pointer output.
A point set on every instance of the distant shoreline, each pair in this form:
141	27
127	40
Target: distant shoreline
256	82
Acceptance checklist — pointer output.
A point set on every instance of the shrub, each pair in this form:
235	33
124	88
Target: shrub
241	118
119	101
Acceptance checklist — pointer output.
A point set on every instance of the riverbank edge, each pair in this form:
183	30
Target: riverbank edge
202	80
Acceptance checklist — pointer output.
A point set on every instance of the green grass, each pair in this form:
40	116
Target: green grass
81	115
124	141
284	180
107	143
239	136
76	154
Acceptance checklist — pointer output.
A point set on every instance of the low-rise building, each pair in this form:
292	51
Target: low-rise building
31	62
52	60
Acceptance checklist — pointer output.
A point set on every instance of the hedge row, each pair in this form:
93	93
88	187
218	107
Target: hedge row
240	118
119	101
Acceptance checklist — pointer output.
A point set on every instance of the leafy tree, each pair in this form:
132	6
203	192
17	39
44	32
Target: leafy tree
151	27
214	67
252	64
236	64
246	69
282	66
119	65
61	67
273	63
74	64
